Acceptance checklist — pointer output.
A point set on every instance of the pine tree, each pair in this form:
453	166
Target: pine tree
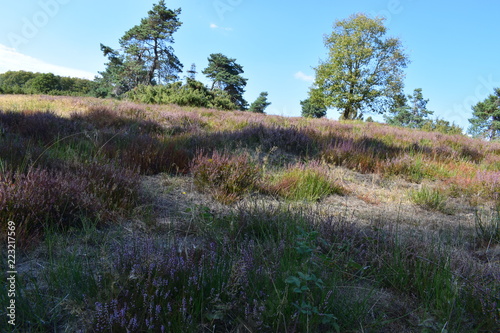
146	55
225	74
260	104
413	113
310	110
485	121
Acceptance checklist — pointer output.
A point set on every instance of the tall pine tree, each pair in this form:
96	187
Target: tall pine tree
146	55
225	74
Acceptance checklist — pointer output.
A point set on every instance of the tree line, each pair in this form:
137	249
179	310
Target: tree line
23	82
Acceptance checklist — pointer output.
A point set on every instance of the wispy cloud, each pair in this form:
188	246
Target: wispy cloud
215	26
304	77
11	60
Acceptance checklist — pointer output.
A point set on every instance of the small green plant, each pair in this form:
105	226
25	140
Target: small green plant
488	228
307	286
429	198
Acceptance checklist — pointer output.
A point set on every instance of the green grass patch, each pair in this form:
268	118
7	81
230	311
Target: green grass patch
307	183
429	198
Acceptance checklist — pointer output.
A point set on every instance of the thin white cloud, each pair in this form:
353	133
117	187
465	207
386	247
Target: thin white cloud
215	26
11	60
304	77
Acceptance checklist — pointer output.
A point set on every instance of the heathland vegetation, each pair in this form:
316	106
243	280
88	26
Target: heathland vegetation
169	207
161	218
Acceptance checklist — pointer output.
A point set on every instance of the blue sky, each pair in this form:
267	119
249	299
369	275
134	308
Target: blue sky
453	45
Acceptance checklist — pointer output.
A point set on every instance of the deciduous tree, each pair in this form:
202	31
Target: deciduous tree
364	70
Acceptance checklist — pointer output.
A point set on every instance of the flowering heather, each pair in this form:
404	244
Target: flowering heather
61	199
225	177
39	127
164	288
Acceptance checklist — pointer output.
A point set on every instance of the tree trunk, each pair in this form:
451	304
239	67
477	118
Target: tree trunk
151	73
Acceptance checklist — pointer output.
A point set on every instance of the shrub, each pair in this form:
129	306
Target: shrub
193	93
225	177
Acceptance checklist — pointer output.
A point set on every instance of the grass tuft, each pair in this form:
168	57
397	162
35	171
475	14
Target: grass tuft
305	182
429	198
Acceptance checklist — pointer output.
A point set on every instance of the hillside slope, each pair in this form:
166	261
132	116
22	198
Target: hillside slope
146	216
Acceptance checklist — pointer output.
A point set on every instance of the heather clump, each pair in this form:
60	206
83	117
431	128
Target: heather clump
288	139
40	127
145	153
164	289
118	120
40	199
226	177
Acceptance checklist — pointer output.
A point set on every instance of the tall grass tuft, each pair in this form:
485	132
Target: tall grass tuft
305	182
429	198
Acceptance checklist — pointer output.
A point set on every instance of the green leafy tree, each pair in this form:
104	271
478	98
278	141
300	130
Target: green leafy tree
147	56
43	84
485	121
311	110
225	74
364	70
260	104
413	114
13	82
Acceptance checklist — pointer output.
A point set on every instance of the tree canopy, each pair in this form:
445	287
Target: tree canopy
364	70
310	110
146	56
260	104
22	82
485	121
413	113
225	74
